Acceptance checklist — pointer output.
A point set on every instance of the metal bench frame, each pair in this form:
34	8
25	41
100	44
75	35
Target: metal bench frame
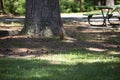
108	16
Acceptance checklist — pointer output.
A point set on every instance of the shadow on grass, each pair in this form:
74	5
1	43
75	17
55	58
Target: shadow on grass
36	46
114	40
21	69
48	43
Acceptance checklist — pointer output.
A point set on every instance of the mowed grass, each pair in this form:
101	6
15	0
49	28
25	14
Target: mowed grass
115	40
79	64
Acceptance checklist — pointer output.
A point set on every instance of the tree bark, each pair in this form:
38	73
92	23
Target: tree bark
43	18
80	5
109	2
1	5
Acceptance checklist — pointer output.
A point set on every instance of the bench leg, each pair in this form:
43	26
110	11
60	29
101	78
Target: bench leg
111	16
89	17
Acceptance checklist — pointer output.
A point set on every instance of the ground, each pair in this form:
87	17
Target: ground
80	35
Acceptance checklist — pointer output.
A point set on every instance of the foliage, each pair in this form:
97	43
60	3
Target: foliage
14	6
117	1
88	5
66	6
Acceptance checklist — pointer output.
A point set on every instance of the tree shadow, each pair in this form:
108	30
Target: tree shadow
35	47
85	35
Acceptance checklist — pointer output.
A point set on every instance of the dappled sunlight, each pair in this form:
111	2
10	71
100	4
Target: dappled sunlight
81	35
96	49
79	56
20	50
24	52
114	52
87	50
37	69
69	40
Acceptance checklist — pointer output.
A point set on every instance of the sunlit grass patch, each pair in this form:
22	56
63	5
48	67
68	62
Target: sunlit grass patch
80	56
11	24
28	69
79	64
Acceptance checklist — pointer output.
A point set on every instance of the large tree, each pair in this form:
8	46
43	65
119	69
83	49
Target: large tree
42	18
1	6
109	2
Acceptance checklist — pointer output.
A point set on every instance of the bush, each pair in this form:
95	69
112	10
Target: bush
87	5
118	2
15	7
67	6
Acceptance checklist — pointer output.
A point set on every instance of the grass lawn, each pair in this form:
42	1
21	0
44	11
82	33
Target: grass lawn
78	64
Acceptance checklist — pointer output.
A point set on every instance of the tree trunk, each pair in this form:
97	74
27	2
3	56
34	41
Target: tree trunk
80	5
43	18
109	2
1	6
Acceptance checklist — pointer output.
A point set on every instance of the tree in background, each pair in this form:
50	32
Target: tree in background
1	6
15	7
43	18
110	2
67	6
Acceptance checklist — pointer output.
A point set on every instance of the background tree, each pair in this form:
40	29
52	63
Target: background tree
109	2
43	18
1	6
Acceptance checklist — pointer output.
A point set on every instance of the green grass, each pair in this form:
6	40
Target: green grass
11	24
67	65
92	12
83	37
115	40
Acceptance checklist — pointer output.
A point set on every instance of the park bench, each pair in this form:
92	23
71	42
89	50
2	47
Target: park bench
110	14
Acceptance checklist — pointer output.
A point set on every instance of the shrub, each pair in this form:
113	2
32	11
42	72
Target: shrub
15	7
67	6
